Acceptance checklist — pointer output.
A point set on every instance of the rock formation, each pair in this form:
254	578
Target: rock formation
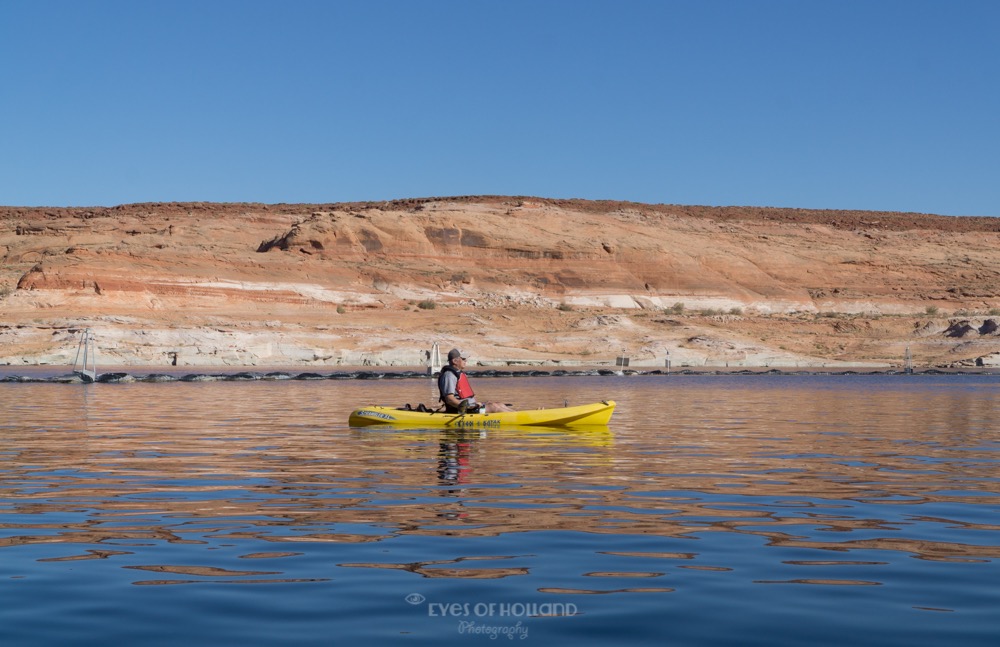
514	280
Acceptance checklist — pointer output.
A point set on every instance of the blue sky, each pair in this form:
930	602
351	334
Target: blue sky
840	104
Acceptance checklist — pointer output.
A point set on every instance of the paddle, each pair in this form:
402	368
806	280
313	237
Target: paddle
463	407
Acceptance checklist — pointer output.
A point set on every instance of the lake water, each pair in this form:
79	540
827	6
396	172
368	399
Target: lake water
761	510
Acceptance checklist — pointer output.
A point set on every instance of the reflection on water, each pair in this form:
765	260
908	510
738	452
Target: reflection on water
705	495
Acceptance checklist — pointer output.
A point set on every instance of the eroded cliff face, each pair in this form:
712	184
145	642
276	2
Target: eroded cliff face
514	279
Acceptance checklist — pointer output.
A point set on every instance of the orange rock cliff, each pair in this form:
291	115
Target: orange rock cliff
515	281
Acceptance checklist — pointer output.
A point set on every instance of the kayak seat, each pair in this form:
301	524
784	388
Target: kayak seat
420	407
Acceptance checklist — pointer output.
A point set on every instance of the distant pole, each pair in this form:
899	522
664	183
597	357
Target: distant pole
668	362
434	360
88	370
908	366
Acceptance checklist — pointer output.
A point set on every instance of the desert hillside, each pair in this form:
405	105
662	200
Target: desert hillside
512	280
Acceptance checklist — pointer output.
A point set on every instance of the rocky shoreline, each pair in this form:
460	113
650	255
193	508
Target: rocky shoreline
277	376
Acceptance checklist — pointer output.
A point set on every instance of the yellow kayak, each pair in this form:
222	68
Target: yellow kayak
584	415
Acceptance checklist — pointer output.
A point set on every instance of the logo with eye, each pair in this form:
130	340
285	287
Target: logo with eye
414	598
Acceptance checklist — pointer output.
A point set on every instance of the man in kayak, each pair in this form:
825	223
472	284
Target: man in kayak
456	391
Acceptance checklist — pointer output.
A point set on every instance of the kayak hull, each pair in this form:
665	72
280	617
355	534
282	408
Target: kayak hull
585	415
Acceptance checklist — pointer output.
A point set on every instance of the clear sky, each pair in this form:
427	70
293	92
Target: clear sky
840	104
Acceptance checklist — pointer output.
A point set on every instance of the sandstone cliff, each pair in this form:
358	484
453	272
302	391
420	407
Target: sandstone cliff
514	280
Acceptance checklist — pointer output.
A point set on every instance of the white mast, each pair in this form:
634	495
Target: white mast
88	369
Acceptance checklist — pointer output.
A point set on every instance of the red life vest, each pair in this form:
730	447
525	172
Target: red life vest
463	390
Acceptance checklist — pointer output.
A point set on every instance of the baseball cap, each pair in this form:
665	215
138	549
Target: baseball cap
454	352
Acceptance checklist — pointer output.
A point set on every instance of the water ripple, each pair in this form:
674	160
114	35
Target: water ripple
710	490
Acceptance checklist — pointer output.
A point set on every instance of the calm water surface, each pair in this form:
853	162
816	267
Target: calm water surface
764	510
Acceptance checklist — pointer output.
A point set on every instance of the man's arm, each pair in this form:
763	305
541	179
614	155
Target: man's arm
452	400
